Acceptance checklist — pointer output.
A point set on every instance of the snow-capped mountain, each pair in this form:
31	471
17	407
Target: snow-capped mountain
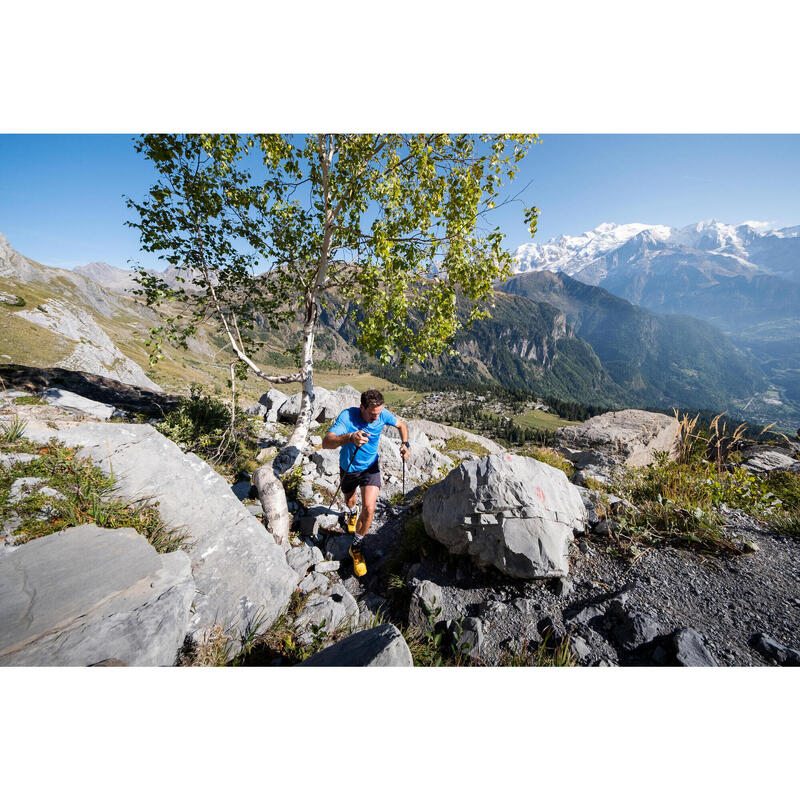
751	247
744	279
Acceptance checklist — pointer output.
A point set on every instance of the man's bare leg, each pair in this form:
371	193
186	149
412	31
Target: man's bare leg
350	502
369	497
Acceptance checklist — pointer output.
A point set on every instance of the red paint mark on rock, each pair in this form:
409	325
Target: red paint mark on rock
540	495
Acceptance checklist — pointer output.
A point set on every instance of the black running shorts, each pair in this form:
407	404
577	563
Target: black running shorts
371	476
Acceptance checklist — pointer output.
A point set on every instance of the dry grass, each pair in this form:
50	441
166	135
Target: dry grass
543	656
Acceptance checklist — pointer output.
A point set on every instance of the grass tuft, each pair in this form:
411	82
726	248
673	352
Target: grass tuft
544	655
87	498
461	444
549	456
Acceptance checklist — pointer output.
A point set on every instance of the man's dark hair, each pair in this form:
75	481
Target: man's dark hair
372	398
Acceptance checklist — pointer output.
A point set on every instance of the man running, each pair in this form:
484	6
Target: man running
357	431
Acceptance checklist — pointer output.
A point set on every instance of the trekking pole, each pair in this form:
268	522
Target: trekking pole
404	480
343	476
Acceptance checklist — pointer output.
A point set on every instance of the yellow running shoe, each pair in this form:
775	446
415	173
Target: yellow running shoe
359	565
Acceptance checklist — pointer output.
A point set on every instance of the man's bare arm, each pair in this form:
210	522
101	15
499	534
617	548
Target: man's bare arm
332	440
403	428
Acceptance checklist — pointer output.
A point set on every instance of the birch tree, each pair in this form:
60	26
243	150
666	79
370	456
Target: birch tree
261	227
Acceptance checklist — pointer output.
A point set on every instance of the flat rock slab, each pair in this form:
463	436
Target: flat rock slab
764	461
239	570
383	646
87	594
70	401
631	437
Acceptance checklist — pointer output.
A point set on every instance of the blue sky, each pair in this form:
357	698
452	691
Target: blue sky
61	195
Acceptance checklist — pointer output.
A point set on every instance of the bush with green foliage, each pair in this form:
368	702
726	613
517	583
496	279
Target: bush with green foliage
202	424
681	502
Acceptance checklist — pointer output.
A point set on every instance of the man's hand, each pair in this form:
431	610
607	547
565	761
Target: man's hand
404	450
359	437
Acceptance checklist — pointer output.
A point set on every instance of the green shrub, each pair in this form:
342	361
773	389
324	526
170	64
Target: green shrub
786	525
13	431
202	425
681	503
544	656
786	487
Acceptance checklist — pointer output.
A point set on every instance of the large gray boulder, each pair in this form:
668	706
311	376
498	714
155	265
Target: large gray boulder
272	401
515	513
88	594
338	400
383	646
290	408
630	437
240	572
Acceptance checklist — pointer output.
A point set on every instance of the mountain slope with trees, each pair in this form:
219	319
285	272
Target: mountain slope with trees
660	359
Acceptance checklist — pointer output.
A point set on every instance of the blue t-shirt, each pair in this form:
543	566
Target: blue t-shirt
350	420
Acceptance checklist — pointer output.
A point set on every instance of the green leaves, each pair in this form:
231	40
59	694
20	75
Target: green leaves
260	224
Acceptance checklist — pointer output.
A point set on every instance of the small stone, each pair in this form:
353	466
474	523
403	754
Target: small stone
313	581
749	546
605	527
579	648
266	454
526	606
690	651
425	606
10	459
470	640
630	628
327	566
769	648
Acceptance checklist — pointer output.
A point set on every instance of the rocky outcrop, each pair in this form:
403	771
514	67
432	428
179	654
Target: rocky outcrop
383	646
95	387
511	512
88	594
240	572
630	437
94	351
434	431
762	460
